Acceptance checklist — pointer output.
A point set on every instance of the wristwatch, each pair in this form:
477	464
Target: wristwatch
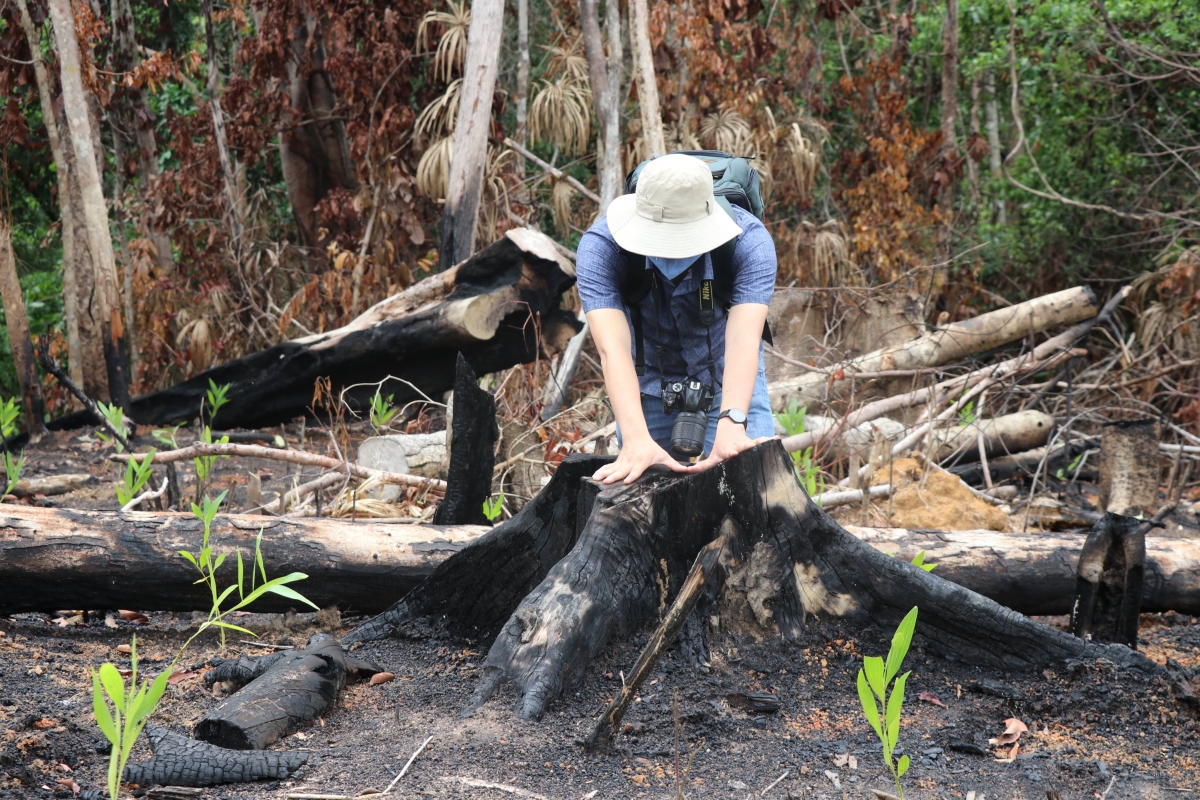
735	414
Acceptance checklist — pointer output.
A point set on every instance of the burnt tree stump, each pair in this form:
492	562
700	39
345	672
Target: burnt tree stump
180	761
552	595
1108	591
473	435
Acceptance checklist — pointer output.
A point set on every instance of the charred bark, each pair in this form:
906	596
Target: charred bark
472	452
499	308
641	538
1112	570
179	761
282	692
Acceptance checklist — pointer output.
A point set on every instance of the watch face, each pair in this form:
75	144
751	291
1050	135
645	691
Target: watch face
737	415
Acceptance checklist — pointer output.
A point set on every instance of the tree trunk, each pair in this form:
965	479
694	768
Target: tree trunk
74	246
995	151
500	308
472	452
465	184
180	761
315	152
522	134
605	76
639	32
949	117
947	344
973	133
218	118
18	333
95	212
1011	433
792	561
1112	571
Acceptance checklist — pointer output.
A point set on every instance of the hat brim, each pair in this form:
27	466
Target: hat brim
668	239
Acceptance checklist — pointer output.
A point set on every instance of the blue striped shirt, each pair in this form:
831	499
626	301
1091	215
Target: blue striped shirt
600	270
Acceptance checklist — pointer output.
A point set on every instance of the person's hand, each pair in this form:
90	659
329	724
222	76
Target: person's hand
731	439
637	454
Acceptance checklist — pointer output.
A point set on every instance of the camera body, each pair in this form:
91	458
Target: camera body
692	398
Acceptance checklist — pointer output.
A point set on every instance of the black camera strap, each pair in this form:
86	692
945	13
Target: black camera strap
707	316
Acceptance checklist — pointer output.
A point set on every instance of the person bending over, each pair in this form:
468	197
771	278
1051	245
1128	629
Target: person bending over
667	345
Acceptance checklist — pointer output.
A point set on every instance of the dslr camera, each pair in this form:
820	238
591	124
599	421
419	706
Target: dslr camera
691	397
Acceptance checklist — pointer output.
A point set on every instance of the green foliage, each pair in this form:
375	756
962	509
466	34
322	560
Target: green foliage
214	398
10	412
919	561
123	722
1062	474
204	464
792	421
43	308
873	693
966	414
116	417
136	476
382	410
492	507
167	435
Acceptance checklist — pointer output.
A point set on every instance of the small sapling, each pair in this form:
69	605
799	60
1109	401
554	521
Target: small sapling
873	681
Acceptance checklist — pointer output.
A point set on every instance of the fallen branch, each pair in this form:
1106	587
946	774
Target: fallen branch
51	365
52	484
404	771
290	456
557	173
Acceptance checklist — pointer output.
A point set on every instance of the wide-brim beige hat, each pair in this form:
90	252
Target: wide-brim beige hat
674	213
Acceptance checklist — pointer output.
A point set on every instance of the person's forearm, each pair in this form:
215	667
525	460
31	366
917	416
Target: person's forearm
611	334
743	337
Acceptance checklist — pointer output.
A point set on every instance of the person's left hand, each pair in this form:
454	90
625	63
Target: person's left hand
731	439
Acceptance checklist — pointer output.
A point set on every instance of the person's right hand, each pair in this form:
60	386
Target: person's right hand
635	457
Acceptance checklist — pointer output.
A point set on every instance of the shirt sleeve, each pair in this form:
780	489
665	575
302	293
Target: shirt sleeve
754	263
599	270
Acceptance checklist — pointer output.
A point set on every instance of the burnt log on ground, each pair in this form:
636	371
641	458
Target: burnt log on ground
640	541
282	692
496	308
180	761
473	435
60	558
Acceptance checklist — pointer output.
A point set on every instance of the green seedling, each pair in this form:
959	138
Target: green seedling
382	411
123	722
1074	465
873	681
167	435
136	476
204	464
919	561
10	411
966	414
792	420
116	417
492	507
214	398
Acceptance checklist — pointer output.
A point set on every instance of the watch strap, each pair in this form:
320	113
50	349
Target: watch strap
728	414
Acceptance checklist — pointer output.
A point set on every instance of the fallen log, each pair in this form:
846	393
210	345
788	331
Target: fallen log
180	761
59	558
642	537
497	307
282	692
943	346
1011	433
52	485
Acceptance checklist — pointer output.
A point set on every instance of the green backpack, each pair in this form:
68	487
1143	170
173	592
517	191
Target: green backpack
735	183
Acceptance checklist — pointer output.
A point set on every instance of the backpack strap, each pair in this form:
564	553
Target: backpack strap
722	261
637	285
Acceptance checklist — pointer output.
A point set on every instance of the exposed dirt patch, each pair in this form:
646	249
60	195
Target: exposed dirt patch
936	500
1087	722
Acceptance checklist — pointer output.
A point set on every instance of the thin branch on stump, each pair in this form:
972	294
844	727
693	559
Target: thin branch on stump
643	538
473	438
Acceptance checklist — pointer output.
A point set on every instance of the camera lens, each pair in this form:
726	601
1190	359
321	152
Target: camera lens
687	434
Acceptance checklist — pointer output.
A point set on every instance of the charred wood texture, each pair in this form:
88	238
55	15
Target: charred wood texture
179	761
1108	594
473	438
491	308
798	562
285	691
61	558
476	592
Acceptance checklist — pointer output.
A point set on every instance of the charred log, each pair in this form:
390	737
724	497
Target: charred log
285	691
497	308
643	537
179	761
472	452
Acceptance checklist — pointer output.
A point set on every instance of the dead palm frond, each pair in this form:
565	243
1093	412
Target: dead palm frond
568	62
679	136
727	130
802	159
766	175
1165	322
494	194
437	119
561	115
433	170
452	46
824	255
561	197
